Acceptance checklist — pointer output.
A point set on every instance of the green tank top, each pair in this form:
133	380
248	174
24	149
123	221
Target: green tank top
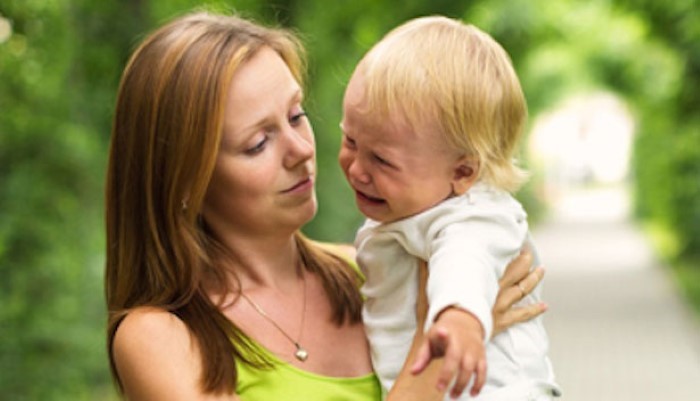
287	382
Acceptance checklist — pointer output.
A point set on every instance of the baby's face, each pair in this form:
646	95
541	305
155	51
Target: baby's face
395	170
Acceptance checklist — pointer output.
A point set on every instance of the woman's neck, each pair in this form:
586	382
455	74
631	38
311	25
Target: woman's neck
264	262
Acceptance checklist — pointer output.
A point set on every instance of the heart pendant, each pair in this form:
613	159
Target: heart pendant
301	354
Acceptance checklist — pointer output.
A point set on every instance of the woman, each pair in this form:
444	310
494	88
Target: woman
213	292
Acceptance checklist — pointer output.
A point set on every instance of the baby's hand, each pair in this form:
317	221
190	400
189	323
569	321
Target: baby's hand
458	336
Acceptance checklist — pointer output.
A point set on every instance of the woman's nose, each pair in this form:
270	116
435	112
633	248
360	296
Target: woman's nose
301	147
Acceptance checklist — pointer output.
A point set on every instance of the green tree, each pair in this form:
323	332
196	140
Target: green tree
667	153
50	149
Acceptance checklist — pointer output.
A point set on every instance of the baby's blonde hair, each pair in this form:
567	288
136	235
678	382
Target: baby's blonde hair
440	72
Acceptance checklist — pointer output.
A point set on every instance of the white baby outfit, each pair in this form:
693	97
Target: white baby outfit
468	241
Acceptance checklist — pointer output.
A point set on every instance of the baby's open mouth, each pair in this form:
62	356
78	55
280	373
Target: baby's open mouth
369	198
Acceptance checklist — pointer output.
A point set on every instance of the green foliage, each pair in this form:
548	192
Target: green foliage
667	155
667	152
685	196
51	154
58	76
688	278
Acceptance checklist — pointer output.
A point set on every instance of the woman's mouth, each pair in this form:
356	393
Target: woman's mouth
301	186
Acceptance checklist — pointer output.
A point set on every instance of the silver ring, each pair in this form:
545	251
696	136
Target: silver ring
523	293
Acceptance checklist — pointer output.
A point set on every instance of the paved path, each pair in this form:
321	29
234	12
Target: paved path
618	329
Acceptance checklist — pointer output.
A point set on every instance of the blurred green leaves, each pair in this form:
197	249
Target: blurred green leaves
52	146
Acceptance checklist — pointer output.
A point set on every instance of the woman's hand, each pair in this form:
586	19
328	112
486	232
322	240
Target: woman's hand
517	282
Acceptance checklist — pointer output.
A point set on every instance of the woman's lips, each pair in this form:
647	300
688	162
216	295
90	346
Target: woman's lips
301	186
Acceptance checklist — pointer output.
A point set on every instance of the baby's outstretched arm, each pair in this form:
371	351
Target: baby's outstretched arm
517	281
458	336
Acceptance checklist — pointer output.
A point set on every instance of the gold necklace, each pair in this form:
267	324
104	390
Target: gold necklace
301	354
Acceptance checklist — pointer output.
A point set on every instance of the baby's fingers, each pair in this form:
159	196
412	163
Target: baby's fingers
448	371
479	379
433	346
422	359
463	376
453	365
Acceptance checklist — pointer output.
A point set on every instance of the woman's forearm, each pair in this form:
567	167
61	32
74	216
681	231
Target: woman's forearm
420	387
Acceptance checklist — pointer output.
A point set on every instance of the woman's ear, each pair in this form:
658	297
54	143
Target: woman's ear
466	171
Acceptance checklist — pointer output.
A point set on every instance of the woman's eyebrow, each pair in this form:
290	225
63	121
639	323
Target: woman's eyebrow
297	96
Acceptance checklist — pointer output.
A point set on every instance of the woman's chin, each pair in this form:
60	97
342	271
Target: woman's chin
309	212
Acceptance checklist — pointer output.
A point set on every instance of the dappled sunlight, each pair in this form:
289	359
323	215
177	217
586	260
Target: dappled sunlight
610	203
5	29
582	149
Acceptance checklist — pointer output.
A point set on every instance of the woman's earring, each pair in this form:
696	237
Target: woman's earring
184	205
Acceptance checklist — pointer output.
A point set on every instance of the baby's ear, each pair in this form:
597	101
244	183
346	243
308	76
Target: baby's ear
466	171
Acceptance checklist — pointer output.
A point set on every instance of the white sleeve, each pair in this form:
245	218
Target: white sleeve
467	257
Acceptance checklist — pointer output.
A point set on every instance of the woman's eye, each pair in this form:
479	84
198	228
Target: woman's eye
257	148
296	118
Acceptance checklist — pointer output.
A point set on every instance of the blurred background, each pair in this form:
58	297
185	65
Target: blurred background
613	145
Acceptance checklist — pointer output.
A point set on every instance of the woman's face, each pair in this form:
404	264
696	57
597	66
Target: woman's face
264	177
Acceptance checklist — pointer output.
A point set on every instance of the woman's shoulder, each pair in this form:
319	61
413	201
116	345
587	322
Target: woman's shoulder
345	251
149	337
153	333
146	324
149	332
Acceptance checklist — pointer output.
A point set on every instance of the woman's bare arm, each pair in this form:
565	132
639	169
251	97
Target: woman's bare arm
157	359
420	387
